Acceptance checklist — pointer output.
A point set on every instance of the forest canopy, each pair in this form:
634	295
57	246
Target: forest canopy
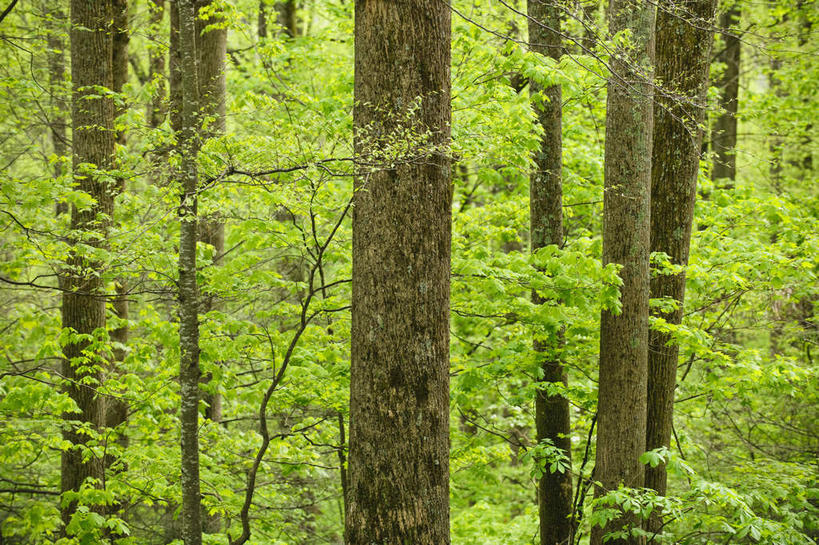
409	271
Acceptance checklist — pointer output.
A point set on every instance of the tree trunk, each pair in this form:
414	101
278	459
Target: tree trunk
189	373
261	26
286	17
546	226
212	50
398	477
175	70
116	410
56	84
684	43
724	134
83	303
156	64
621	408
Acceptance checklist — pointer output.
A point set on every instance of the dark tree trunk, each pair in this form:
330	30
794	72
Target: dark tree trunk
83	304
175	70
684	43
286	17
398	478
189	373
261	26
724	133
546	226
621	435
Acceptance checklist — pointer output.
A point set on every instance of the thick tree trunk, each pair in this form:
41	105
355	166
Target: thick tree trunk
724	133
624	336
189	373
83	304
546	226
398	479
683	51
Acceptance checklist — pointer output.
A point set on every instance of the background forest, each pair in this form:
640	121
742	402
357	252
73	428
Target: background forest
272	146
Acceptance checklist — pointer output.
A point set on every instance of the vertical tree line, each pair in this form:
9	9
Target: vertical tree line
621	404
552	413
398	479
395	472
84	298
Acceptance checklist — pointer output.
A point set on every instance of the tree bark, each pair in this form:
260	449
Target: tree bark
552	418
398	476
683	53
724	133
83	302
621	409
189	373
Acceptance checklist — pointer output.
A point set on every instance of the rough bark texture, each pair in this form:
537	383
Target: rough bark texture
724	134
683	57
546	226
189	373
83	304
398	478
624	337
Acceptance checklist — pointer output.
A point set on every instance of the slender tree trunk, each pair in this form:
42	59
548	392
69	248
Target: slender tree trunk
724	133
156	66
212	50
175	70
83	304
261	25
546	226
286	17
116	410
684	43
398	478
189	373
621	436
56	84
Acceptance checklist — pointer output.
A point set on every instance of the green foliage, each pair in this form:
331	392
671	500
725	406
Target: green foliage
741	466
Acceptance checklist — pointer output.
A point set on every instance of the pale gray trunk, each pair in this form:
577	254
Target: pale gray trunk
189	373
